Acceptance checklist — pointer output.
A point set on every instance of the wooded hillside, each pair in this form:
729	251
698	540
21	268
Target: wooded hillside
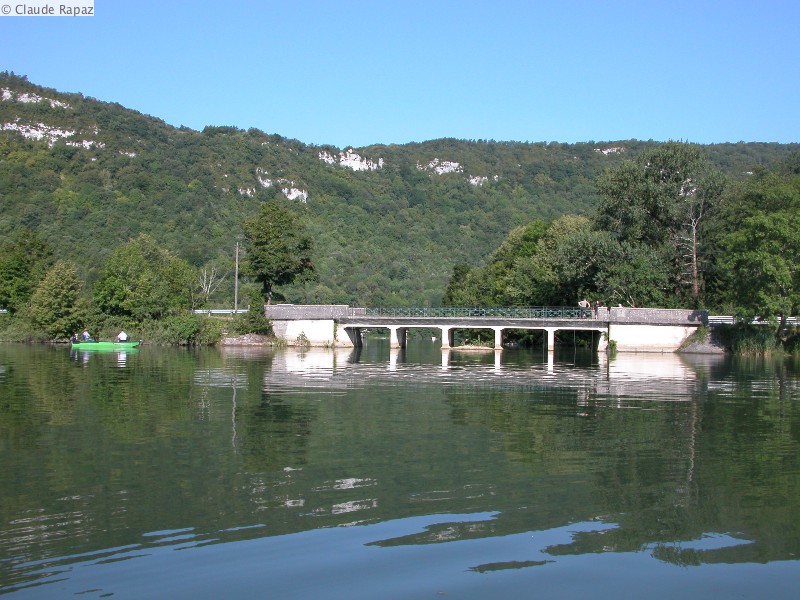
388	222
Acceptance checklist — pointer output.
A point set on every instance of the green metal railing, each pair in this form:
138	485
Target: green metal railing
532	312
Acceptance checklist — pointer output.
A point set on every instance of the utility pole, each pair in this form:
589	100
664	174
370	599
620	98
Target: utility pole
236	283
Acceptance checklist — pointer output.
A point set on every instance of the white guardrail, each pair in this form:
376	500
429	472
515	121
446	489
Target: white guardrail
729	320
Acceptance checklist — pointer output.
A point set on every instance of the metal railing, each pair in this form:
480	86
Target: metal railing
730	320
532	312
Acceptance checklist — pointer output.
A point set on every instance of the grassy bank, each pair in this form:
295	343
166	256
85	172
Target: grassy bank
750	340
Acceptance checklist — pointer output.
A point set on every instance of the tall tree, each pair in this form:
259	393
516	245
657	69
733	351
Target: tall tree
277	247
662	199
142	280
761	247
56	307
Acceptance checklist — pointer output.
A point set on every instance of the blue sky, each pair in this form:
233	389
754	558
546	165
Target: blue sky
354	73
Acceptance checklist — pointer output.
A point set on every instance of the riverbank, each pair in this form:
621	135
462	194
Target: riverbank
248	339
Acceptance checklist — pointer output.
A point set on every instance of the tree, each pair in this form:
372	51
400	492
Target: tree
23	263
142	280
633	275
761	247
277	247
55	307
207	281
662	199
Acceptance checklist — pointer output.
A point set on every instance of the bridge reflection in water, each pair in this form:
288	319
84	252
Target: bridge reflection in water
332	371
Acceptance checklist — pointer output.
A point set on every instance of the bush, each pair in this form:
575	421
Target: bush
183	330
792	342
16	329
252	321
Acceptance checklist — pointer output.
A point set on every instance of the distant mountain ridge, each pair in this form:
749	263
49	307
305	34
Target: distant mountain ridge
389	221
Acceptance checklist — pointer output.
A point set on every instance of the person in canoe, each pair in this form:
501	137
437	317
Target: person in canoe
122	336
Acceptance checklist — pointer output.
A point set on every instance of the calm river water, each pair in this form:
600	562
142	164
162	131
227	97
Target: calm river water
240	473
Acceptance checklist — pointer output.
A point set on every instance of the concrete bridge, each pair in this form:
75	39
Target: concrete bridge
632	329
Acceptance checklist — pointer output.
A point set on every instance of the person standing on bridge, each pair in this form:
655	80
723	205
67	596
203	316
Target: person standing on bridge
584	306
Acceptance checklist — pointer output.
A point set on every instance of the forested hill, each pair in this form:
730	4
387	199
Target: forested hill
389	222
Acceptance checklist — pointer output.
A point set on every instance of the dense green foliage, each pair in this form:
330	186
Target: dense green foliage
761	245
140	280
56	307
662	201
278	248
99	175
666	233
146	217
23	263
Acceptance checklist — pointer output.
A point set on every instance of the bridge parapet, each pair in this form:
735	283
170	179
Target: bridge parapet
461	312
644	316
657	316
303	312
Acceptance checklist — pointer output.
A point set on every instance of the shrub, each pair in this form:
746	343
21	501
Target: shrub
252	321
183	330
748	339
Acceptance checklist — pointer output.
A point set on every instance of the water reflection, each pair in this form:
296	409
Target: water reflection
636	376
120	357
502	461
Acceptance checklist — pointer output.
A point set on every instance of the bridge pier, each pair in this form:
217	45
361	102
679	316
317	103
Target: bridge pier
397	337
498	338
447	337
551	338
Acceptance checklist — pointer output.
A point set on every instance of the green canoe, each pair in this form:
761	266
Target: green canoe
111	346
